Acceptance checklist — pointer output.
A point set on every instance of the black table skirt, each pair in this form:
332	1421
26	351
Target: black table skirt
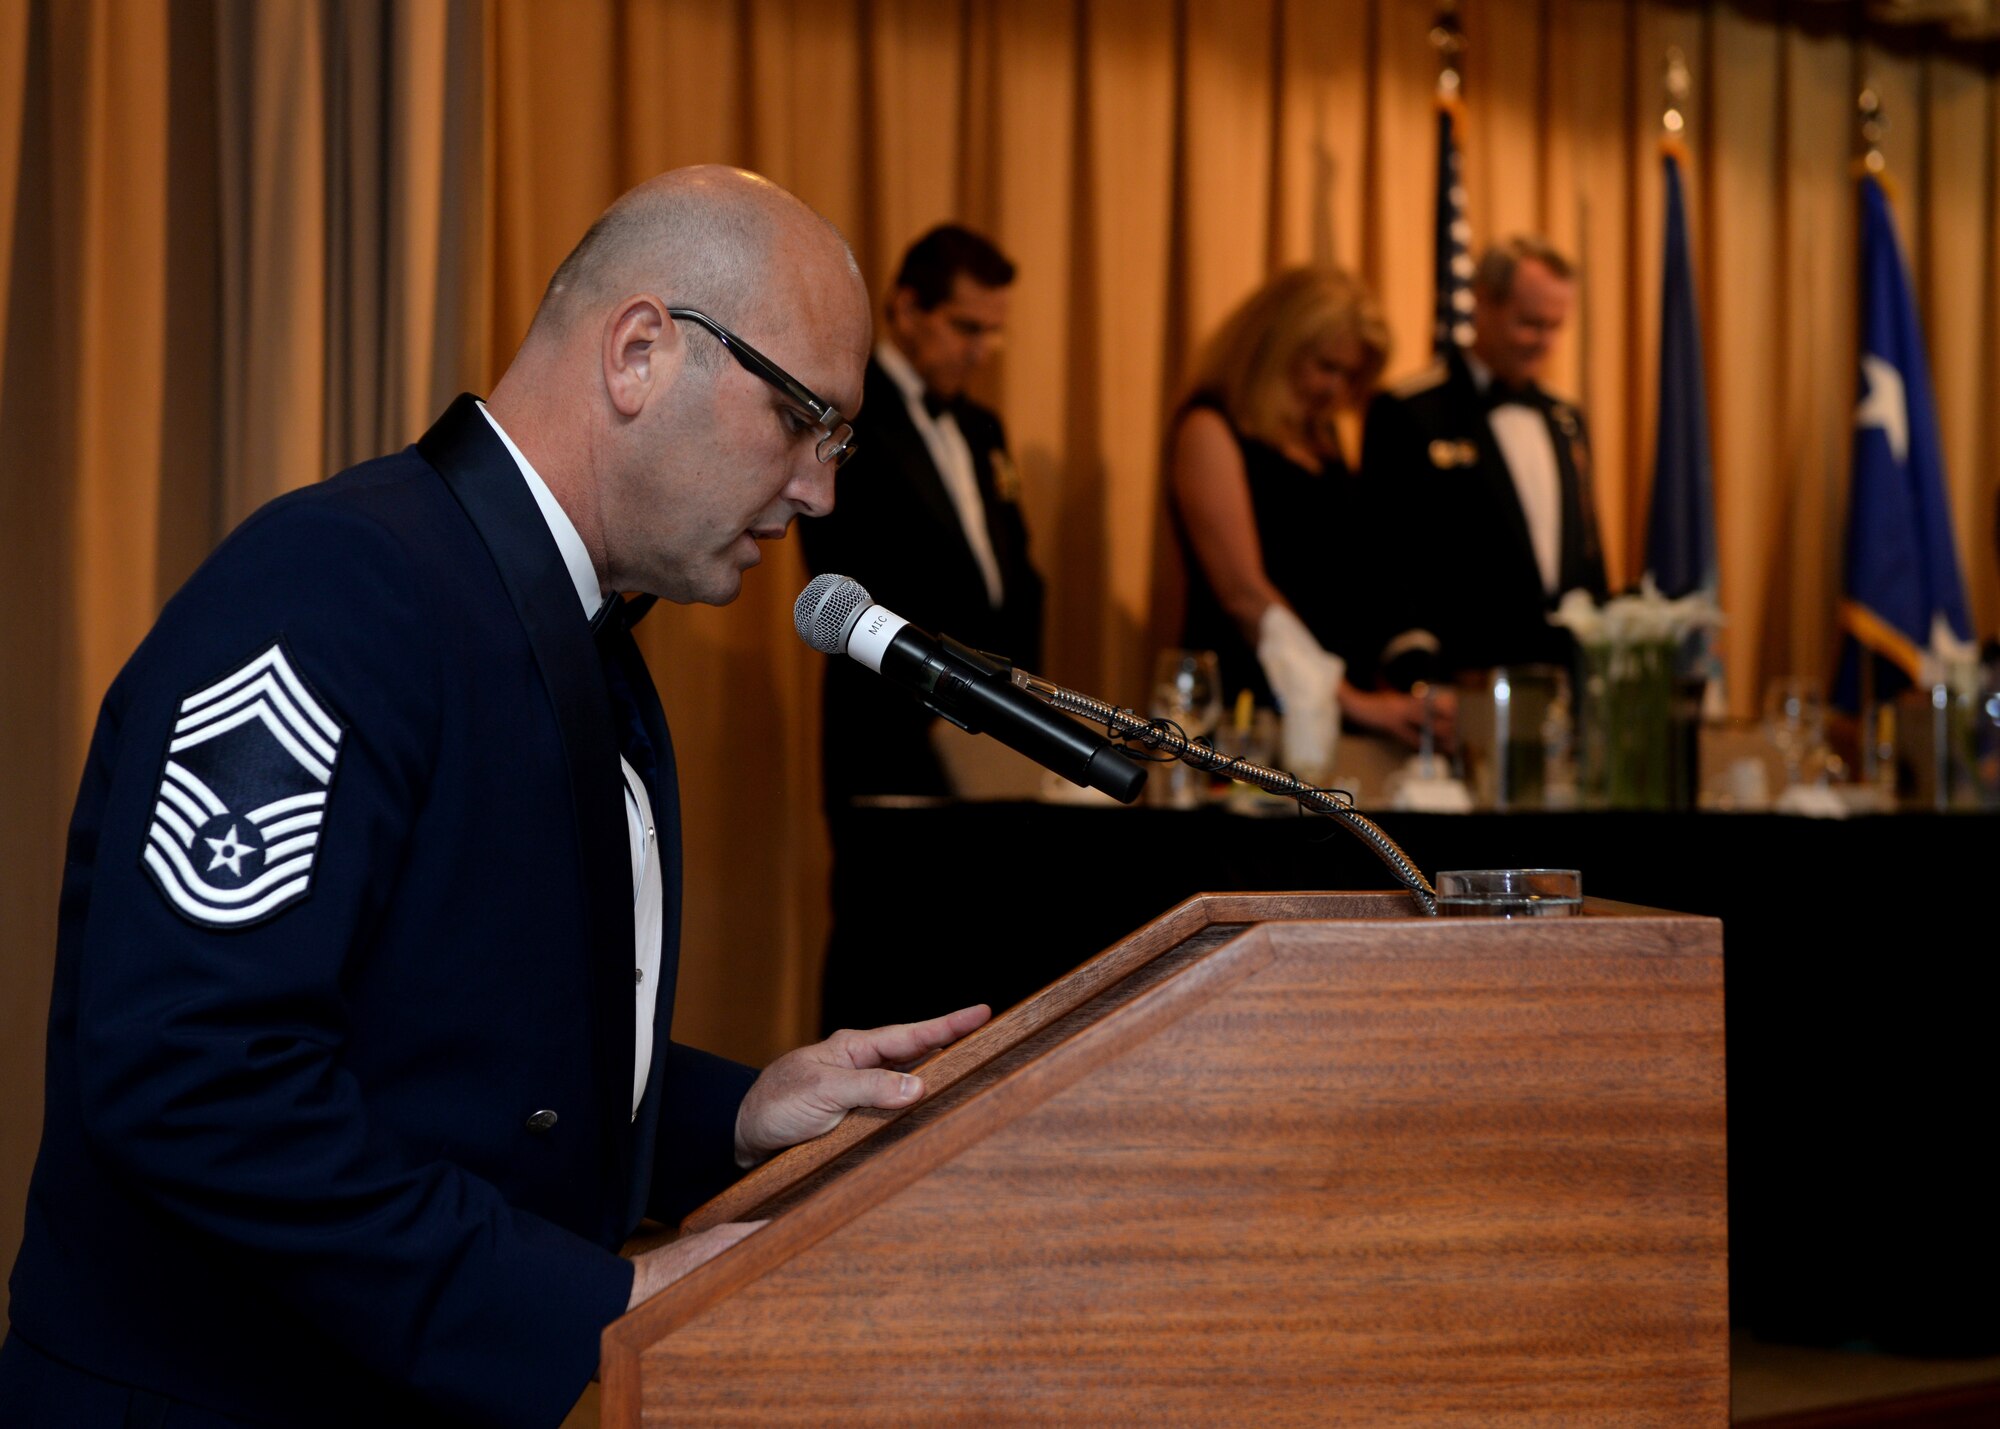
1860	998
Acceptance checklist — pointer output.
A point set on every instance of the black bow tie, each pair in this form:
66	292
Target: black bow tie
937	406
1504	394
622	613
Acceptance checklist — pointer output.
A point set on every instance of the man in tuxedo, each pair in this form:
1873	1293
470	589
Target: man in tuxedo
359	1065
928	518
1479	485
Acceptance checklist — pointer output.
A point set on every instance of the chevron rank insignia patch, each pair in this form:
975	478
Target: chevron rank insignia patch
236	820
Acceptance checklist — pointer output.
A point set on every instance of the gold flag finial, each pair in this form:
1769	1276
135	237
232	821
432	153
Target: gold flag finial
1674	112
1674	118
1448	39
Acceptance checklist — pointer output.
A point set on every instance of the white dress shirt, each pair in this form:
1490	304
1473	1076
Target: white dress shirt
1530	453
953	459
648	884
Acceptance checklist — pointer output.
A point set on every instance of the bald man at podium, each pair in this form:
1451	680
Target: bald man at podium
359	1058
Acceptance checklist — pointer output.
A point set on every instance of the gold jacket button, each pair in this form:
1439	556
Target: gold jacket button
541	1122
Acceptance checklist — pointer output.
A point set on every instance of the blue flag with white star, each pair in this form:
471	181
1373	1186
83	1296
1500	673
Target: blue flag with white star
1453	248
1903	596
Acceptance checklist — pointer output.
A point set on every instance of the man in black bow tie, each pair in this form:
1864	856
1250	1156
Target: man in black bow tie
1481	480
928	517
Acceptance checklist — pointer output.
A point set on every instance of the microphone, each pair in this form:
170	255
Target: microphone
836	616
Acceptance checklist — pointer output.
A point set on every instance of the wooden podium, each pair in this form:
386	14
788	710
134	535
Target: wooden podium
1273	1159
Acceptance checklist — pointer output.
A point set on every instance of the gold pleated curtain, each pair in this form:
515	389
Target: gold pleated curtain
246	242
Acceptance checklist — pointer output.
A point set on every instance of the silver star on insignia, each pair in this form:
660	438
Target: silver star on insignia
229	851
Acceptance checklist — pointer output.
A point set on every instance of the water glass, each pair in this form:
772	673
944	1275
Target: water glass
1514	725
1795	722
1986	743
1187	689
1255	744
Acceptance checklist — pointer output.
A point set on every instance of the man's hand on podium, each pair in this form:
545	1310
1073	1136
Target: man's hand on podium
806	1092
654	1270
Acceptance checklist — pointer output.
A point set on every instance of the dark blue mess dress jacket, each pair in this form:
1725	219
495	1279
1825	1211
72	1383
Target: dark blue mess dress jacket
346	914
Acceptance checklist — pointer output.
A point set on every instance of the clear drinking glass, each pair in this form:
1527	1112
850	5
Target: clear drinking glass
1187	689
1986	741
1510	893
1795	723
1508	718
1256	744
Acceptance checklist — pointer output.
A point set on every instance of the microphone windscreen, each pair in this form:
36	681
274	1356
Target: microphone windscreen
827	609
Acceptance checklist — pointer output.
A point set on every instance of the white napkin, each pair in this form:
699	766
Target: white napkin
1815	801
1411	789
1304	679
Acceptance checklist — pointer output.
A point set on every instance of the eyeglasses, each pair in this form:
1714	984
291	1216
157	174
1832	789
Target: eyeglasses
836	442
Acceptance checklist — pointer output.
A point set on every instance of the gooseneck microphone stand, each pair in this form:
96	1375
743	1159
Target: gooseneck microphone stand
1129	728
831	608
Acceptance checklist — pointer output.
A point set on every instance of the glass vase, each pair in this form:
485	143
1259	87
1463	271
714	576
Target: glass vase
1593	726
1627	752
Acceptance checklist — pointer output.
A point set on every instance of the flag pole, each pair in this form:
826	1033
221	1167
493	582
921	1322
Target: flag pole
1871	126
1904	602
1680	539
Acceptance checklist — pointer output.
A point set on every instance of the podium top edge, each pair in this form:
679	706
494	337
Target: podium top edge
1308	905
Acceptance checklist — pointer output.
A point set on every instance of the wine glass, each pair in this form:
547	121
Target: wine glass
1187	689
1795	723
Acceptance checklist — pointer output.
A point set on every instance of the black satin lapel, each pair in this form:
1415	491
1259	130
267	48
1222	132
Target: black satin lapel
897	431
482	475
1580	556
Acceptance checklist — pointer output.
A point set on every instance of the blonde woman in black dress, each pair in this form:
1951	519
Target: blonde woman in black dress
1271	521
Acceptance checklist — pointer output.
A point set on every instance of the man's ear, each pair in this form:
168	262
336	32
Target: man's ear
642	351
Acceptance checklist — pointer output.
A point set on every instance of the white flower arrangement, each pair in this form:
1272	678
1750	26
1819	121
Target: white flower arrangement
1626	686
1636	618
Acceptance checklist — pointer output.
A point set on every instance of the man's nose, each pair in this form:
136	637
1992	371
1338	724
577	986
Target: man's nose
812	489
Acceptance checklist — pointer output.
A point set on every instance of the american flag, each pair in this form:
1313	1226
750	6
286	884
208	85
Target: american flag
1454	232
